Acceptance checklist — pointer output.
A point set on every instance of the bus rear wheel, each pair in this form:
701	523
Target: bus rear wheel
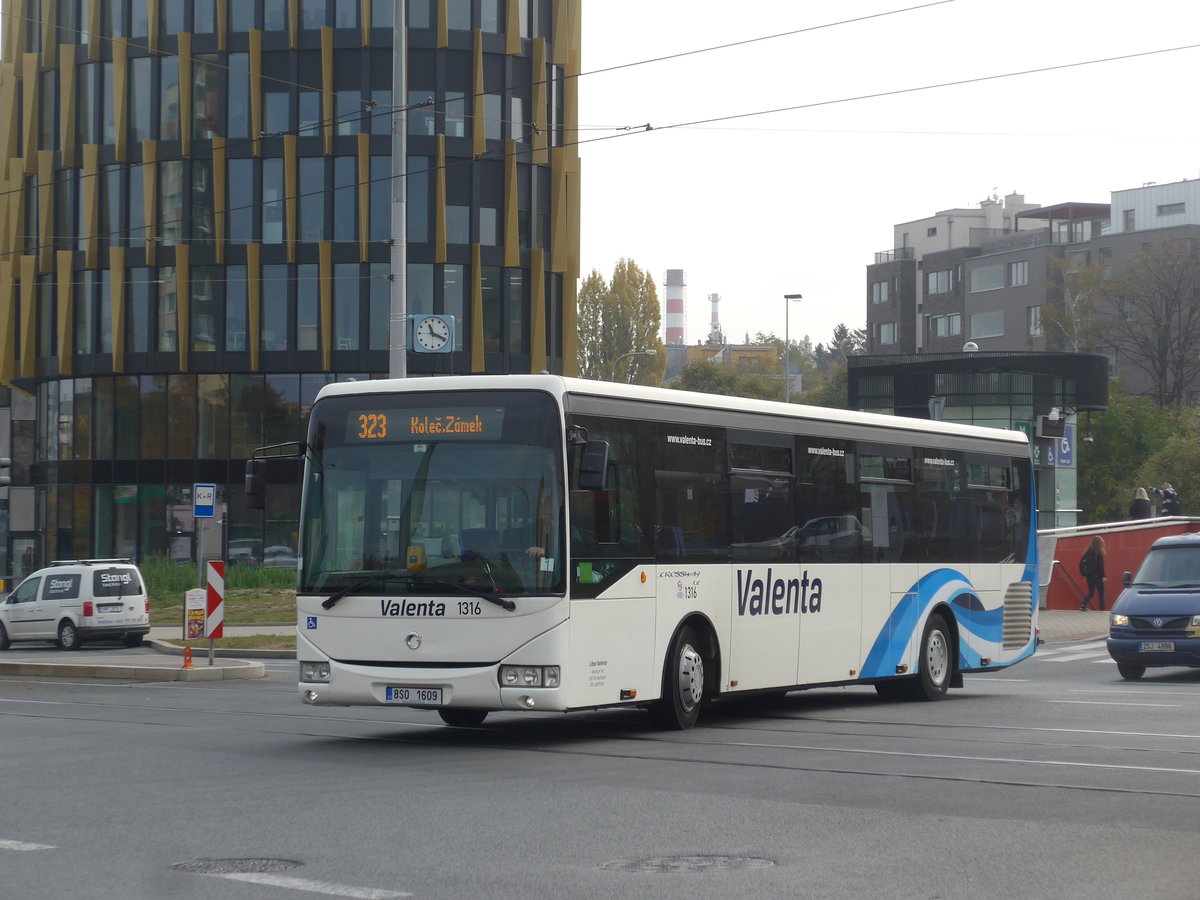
935	665
683	683
462	718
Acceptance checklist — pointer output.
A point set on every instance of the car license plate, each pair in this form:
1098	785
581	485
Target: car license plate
1157	647
111	608
415	696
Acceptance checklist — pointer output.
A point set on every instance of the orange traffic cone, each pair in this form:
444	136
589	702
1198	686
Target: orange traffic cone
187	658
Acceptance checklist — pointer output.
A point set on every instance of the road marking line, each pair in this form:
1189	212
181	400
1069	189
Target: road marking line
313	887
1113	703
1074	656
22	845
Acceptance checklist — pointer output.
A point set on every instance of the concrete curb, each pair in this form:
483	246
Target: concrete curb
228	671
221	652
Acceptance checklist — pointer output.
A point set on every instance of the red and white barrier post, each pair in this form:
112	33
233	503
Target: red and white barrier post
214	623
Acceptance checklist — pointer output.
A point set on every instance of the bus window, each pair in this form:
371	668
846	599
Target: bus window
830	529
691	517
762	511
885	482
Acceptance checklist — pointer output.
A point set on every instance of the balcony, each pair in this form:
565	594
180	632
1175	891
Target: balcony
887	256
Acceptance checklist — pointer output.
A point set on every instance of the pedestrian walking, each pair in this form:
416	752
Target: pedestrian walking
1171	504
1091	567
1139	507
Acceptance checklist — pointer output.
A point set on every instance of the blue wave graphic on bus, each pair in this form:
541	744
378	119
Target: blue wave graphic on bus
976	624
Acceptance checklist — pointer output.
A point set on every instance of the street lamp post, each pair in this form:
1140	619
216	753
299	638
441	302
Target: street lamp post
613	370
787	347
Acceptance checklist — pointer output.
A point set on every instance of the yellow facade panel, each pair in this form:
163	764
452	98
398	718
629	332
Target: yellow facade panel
254	303
8	322
512	233
117	291
45	202
439	203
220	192
66	311
325	257
185	95
120	98
327	101
291	166
150	198
68	137
29	96
537	311
183	305
89	227
28	367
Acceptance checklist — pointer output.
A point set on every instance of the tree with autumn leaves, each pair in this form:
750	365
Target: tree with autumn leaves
617	317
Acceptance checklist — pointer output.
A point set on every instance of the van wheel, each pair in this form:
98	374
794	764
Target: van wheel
132	640
1130	672
462	718
5	643
68	636
683	683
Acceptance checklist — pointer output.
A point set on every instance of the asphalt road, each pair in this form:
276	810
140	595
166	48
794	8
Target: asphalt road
1052	779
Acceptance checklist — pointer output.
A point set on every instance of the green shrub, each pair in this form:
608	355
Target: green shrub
169	580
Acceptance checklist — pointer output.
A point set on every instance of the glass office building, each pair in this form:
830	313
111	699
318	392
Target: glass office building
196	207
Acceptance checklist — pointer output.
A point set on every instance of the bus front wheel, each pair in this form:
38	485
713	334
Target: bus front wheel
462	718
683	683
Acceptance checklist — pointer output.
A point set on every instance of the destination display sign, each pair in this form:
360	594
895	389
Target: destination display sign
391	425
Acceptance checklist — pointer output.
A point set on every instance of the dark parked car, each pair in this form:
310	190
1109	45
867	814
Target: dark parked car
1156	620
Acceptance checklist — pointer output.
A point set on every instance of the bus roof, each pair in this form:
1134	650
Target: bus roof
561	386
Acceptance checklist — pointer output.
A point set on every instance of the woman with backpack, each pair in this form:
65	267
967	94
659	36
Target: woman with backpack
1091	566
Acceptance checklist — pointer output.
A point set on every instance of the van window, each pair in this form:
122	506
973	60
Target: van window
116	583
27	592
62	587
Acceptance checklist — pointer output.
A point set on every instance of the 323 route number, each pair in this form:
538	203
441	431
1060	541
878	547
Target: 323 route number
372	426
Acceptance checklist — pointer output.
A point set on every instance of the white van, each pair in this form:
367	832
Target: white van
76	600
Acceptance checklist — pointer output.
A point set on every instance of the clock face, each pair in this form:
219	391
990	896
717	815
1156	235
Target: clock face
431	333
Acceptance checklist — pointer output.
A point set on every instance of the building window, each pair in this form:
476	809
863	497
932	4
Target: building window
946	326
1128	220
879	292
1104	257
931	232
1018	273
887	333
1171	209
938	282
1033	321
987	324
987	278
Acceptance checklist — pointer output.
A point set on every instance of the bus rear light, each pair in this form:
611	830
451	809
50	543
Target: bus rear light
530	676
88	608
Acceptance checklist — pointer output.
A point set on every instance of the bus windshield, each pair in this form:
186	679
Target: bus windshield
427	493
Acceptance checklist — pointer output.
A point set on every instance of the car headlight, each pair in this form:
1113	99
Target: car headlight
529	676
314	672
1116	620
1196	621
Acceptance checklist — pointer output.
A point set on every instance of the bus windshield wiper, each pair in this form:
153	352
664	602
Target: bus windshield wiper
333	599
412	578
490	596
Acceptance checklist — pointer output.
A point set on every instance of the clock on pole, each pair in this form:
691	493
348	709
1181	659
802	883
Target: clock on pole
432	334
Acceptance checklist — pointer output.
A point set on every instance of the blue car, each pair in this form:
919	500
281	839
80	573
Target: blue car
1156	620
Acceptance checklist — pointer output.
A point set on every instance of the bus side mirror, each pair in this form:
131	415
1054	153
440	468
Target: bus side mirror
593	466
255	496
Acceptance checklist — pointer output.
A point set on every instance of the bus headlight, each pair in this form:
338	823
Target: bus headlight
314	671
529	676
1116	620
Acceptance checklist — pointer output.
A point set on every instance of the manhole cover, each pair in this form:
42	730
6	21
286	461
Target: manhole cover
687	863
236	866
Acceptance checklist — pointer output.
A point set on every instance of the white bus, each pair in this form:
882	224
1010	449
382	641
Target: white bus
479	543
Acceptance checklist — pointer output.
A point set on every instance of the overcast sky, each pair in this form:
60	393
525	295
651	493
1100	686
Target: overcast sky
798	202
